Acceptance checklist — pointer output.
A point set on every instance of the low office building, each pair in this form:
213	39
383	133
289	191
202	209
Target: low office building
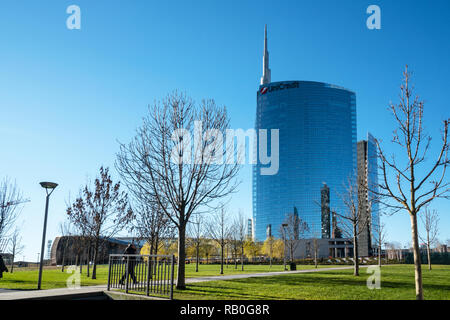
326	248
72	249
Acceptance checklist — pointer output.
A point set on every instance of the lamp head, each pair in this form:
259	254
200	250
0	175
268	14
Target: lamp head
48	185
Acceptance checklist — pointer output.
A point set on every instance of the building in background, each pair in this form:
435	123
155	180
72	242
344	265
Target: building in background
317	143
336	232
326	248
72	249
367	183
49	249
269	231
250	229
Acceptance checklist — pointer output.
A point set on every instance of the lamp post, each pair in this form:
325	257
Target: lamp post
284	225
49	188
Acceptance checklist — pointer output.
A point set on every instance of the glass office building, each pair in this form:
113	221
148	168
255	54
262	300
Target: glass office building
368	176
372	181
317	146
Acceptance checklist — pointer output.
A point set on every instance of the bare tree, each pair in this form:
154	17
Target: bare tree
196	236
379	238
235	246
65	228
413	185
219	229
430	220
11	200
293	232
150	223
268	248
315	236
15	246
102	211
239	236
208	248
183	177
354	220
79	241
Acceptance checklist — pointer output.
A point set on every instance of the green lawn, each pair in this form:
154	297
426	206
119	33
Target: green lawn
52	277
397	282
214	269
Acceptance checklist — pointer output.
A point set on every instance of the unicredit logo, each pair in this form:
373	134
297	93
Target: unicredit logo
281	86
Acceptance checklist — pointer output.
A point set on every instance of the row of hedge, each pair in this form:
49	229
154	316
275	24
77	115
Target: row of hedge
309	261
436	258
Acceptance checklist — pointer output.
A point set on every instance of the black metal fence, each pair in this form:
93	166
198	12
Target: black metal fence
150	274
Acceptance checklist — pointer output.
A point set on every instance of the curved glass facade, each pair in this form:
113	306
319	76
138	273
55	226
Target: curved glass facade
317	145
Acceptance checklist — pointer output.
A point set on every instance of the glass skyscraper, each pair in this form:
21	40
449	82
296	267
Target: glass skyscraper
372	181
368	176
317	145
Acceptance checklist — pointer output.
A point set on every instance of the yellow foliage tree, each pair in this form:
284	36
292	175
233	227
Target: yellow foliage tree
278	249
252	249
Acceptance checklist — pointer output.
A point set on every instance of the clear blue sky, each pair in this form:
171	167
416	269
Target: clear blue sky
67	96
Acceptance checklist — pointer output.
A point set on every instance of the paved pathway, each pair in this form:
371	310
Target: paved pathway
62	293
262	274
7	290
65	293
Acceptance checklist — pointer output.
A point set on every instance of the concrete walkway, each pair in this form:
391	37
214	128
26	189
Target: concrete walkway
60	293
262	274
92	291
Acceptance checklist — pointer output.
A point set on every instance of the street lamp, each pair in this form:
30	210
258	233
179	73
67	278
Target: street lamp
284	225
49	188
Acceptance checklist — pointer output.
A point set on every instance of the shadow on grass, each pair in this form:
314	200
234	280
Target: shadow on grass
326	285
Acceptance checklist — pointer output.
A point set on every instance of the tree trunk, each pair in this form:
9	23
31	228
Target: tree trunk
315	258
77	257
221	258
226	259
379	256
181	284
417	262
355	252
271	256
88	259
429	254
94	267
198	257
12	262
63	260
242	259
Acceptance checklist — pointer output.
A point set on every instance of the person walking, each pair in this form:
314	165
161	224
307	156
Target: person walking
3	267
131	261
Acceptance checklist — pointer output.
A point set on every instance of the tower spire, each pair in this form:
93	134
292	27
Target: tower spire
266	71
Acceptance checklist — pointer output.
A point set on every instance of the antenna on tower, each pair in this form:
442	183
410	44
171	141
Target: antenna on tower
266	70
